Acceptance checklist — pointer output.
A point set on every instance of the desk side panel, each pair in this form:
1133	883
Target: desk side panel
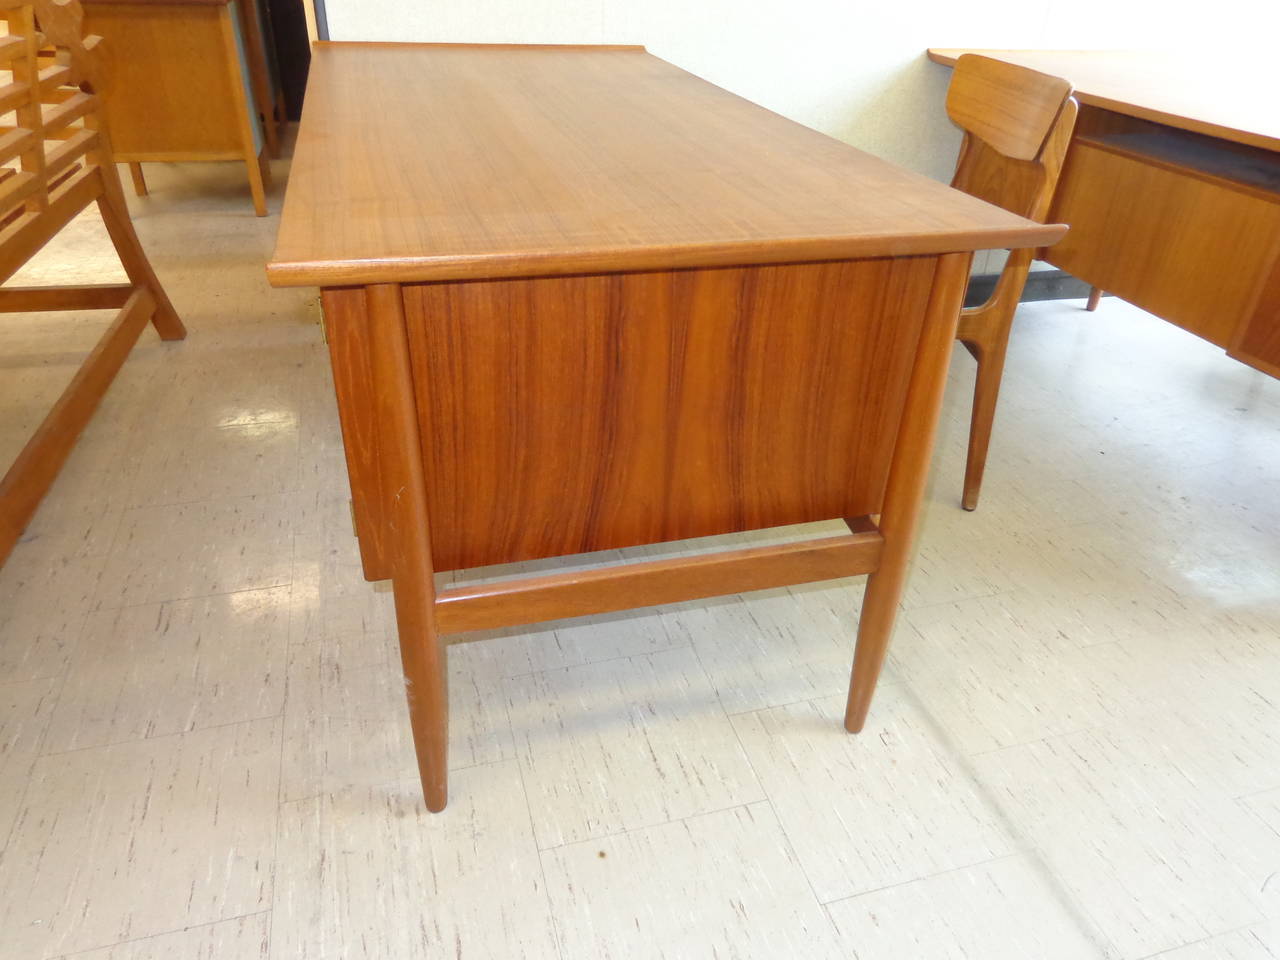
1186	246
346	321
1258	342
563	415
170	95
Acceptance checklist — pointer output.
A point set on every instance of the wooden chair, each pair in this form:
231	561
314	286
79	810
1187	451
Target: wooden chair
57	160
1017	125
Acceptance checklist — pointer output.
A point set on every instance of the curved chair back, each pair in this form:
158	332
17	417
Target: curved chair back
1018	124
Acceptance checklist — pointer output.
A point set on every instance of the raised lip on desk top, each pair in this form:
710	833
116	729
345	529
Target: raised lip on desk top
155	3
446	45
1087	94
809	242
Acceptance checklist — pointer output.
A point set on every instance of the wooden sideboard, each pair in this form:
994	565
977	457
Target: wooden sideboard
1172	189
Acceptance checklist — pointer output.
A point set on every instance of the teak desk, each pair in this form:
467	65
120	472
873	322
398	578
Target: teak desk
1171	186
577	300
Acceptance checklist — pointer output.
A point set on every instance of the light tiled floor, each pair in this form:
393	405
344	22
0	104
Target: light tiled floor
1075	752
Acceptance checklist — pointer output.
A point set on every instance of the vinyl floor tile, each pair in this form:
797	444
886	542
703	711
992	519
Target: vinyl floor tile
127	841
464	885
888	805
1002	910
724	884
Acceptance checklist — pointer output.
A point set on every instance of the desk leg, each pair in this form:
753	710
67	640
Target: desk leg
246	111
421	651
907	475
139	180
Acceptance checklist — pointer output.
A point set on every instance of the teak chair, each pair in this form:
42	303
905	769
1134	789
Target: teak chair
54	161
1017	125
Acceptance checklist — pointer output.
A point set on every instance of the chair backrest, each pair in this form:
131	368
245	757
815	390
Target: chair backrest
51	141
1017	125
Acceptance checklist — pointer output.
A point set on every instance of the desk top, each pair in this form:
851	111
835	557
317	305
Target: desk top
1236	100
420	162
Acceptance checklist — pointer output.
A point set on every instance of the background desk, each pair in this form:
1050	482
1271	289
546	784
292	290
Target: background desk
190	80
1172	189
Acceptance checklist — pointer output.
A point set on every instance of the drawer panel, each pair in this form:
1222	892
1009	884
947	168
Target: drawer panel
1187	245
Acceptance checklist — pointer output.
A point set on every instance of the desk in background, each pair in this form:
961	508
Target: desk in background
190	81
1172	189
578	299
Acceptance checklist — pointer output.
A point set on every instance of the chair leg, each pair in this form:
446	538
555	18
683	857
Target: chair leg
986	392
139	181
1095	295
115	215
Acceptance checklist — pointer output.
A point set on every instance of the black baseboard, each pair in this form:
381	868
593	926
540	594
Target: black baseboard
1041	285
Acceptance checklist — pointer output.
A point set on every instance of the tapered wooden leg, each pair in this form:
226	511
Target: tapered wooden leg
905	489
986	392
139	181
421	651
259	178
264	166
115	215
1095	296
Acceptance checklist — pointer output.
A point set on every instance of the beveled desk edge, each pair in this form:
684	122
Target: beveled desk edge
345	273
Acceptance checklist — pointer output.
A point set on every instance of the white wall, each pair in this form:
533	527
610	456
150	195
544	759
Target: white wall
852	68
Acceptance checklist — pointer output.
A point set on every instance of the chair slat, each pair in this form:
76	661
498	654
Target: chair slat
16	141
15	189
68	111
52	77
68	151
12	94
12	47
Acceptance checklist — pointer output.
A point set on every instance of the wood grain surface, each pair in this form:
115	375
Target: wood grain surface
150	116
345	311
564	415
421	162
673	580
1188	248
1258	337
1007	107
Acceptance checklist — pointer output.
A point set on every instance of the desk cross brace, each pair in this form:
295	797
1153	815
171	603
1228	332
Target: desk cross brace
622	587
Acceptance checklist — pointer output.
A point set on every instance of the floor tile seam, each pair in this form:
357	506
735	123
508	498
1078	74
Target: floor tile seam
585	663
195	596
651	825
160	736
1020	837
162	933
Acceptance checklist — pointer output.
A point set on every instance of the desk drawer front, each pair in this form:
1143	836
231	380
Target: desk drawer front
569	414
1185	246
